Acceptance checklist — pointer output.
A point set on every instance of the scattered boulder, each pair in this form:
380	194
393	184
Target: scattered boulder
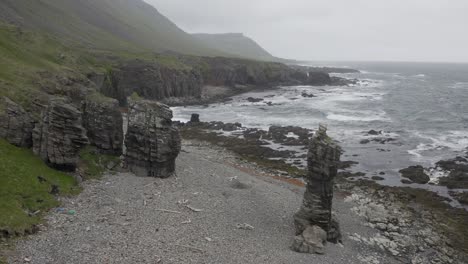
59	135
461	197
312	240
307	95
152	143
195	118
254	100
231	126
104	124
415	174
15	124
316	210
374	132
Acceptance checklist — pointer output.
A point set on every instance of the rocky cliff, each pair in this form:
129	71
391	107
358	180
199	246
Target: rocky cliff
152	143
103	122
185	77
59	135
153	81
15	123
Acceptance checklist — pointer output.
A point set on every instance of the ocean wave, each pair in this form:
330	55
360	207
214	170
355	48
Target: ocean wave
362	118
455	141
459	85
421	75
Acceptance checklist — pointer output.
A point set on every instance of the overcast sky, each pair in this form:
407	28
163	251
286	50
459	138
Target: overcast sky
401	30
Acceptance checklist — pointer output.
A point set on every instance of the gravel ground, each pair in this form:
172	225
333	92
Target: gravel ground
193	217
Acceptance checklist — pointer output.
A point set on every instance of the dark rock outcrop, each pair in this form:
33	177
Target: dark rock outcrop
152	143
59	135
103	122
458	173
318	79
415	174
15	124
314	222
195	118
254	100
152	81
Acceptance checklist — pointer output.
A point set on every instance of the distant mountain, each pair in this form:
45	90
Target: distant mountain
124	25
237	44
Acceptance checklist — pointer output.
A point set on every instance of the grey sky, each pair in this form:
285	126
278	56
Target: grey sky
403	30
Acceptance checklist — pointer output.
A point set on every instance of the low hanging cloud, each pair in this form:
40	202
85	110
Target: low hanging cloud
403	30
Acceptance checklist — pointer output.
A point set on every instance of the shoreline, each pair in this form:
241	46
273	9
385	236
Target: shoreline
119	219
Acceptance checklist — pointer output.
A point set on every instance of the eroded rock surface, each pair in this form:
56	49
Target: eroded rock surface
103	122
152	143
59	135
316	210
15	123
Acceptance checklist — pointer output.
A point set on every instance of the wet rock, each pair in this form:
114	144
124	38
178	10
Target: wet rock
307	95
195	118
347	164
151	141
254	100
415	174
290	135
374	132
103	122
15	124
59	135
461	197
231	126
316	210
364	141
458	173
377	178
319	79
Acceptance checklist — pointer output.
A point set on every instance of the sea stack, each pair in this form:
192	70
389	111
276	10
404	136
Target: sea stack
314	222
152	143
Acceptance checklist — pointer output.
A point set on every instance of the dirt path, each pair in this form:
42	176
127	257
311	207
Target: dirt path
191	218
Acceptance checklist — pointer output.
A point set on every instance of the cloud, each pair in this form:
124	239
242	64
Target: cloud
405	30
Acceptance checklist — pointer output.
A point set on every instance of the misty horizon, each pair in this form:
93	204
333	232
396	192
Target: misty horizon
337	31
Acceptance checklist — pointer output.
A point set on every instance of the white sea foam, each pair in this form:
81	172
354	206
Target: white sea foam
421	75
459	85
363	118
451	140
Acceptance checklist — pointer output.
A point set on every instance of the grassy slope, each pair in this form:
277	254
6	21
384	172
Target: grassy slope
21	191
105	24
237	44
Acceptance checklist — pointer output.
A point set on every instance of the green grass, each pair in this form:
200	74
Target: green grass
95	164
25	188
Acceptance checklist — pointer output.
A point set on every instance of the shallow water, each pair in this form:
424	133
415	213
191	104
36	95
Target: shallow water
423	106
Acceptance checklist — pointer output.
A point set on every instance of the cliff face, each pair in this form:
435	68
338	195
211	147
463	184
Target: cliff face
156	81
152	81
103	122
59	135
15	124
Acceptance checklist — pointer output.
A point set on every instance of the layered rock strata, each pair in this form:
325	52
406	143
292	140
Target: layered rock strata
314	222
59	135
152	143
15	124
104	124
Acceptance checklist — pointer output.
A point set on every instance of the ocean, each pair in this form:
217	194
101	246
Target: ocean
421	109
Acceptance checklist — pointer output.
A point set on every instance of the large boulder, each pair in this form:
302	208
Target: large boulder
59	135
104	124
16	125
316	210
415	174
152	143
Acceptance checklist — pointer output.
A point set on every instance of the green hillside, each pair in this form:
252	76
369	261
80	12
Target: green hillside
236	44
124	25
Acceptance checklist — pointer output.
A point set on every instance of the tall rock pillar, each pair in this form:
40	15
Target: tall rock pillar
314	222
